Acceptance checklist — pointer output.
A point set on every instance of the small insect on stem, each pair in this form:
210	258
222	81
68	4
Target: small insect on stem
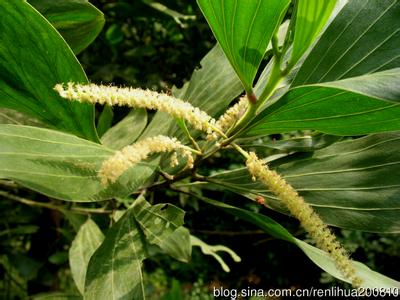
260	200
168	91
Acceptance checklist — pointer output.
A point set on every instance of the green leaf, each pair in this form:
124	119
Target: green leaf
319	257
33	58
324	261
305	143
352	106
62	166
126	131
87	240
311	17
105	120
211	88
158	223
11	116
178	245
241	29
352	184
363	38
78	21
114	270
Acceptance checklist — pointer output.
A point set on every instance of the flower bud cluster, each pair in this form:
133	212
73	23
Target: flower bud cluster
138	98
115	166
308	218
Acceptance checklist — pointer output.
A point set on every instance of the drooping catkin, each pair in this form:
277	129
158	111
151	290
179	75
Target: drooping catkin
116	165
137	98
308	218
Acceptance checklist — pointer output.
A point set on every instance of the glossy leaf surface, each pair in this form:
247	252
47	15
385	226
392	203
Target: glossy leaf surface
158	223
115	269
364	38
352	184
355	106
311	16
211	88
62	166
241	29
86	242
78	21
33	59
126	131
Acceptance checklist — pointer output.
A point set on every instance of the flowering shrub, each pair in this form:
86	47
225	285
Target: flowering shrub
331	72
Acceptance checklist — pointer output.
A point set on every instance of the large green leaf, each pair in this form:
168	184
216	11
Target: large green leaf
178	245
156	229
311	16
244	29
303	143
285	34
352	184
105	120
319	257
11	116
211	88
33	58
364	38
61	165
352	106
126	131
114	270
87	240
78	21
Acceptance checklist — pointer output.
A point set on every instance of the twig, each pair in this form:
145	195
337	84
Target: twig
78	210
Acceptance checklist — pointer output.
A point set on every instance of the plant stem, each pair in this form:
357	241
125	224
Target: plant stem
78	210
276	76
192	140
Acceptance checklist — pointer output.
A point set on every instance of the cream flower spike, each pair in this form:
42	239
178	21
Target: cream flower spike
127	157
308	218
138	98
229	118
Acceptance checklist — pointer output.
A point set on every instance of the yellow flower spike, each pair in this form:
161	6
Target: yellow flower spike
308	218
229	118
138	98
116	165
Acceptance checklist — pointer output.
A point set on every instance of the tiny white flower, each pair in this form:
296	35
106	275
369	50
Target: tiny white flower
139	98
229	118
308	218
127	157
